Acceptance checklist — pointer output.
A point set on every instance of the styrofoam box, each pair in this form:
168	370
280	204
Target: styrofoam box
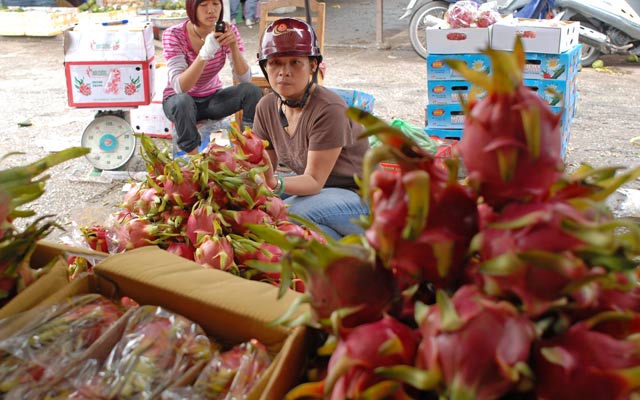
537	35
12	23
95	42
110	66
151	120
49	21
457	40
110	84
437	68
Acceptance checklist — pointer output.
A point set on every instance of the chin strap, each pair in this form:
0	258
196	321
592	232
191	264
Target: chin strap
293	104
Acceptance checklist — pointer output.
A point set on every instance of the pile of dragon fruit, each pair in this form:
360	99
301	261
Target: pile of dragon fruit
200	208
516	283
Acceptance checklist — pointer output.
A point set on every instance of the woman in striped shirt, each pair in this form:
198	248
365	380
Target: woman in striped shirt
195	55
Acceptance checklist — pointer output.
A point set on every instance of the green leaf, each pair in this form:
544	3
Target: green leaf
418	378
449	319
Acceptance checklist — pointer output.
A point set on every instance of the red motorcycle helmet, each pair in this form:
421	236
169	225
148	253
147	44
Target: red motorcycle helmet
288	37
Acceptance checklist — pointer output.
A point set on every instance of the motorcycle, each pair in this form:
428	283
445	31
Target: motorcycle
606	26
425	13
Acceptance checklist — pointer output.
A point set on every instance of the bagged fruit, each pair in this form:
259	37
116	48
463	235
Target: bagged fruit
229	375
462	14
156	348
44	348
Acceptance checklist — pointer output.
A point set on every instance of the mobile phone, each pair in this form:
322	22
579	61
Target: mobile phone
221	26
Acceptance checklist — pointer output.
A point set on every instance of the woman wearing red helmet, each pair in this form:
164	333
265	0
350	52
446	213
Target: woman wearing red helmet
308	132
196	53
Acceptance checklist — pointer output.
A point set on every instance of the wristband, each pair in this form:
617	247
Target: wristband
278	190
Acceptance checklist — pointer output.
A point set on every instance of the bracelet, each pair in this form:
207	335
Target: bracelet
278	190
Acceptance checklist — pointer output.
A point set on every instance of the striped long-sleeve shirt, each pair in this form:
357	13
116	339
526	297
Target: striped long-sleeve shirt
179	54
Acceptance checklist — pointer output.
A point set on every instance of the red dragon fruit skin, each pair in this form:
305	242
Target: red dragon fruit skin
359	352
540	228
523	227
438	254
584	363
479	346
350	280
511	141
214	252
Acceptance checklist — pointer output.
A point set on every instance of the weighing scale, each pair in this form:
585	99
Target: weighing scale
111	140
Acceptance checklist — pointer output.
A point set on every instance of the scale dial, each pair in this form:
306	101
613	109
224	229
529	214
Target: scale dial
111	141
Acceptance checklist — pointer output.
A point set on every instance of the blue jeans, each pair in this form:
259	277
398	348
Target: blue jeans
234	6
185	111
332	210
251	9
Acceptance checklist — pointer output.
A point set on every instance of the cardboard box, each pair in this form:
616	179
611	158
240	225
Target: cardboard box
356	98
56	278
450	91
562	66
230	309
537	35
449	116
444	133
457	40
438	69
555	92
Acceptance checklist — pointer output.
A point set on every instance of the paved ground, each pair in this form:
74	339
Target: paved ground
32	87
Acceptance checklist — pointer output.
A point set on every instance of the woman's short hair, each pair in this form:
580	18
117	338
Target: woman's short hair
192	6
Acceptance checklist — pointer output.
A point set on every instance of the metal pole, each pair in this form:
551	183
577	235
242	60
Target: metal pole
379	26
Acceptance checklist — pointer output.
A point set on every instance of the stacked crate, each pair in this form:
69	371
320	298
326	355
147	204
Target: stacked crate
444	114
552	61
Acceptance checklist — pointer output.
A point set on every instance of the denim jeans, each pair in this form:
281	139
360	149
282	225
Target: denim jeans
235	7
251	9
185	111
332	210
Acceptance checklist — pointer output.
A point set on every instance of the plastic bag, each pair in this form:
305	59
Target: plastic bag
462	14
414	132
44	348
229	375
156	348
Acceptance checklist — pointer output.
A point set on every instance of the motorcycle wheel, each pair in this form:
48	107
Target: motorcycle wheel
418	25
588	54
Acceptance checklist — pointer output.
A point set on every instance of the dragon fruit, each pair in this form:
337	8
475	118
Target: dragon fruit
422	223
511	141
358	354
585	363
250	147
479	347
343	281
